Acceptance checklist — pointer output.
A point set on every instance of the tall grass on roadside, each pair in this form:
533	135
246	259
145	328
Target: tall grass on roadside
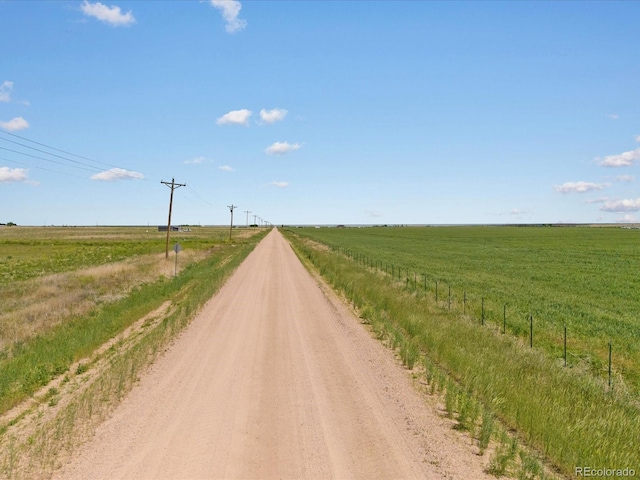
566	415
30	307
38	360
39	454
583	278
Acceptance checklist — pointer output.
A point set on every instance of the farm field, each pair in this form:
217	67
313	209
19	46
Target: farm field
583	278
273	378
29	252
65	290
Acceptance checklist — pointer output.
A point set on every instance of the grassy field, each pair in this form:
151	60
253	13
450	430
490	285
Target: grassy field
129	289
582	277
65	291
30	252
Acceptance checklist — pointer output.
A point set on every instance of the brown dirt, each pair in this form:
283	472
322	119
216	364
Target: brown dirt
275	378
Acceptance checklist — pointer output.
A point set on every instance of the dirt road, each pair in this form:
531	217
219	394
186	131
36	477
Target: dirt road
275	379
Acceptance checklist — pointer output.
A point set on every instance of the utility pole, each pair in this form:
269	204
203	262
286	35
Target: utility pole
247	212
173	185
232	207
254	219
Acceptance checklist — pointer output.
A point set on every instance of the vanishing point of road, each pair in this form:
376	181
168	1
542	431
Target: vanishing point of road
275	379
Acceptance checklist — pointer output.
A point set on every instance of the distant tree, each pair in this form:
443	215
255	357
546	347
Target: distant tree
11	224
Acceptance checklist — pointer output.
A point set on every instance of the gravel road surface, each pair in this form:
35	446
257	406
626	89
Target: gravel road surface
275	379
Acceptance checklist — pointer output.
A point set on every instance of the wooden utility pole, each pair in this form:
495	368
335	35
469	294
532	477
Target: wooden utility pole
173	185
247	212
232	207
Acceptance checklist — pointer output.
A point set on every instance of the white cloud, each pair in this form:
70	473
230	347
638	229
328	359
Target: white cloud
373	214
280	148
598	200
235	117
110	15
195	161
15	124
579	187
612	116
627	205
5	91
230	10
638	138
280	184
625	178
628	218
226	168
11	175
272	116
117	174
625	159
516	212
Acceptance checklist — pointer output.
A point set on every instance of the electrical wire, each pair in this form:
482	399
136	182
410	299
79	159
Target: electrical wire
88	168
40	168
200	196
73	163
65	161
53	148
52	154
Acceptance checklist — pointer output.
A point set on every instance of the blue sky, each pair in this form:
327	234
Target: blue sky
352	112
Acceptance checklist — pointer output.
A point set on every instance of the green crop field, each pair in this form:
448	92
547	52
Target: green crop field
65	291
29	252
585	278
471	334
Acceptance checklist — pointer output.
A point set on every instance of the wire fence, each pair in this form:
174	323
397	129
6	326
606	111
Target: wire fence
478	308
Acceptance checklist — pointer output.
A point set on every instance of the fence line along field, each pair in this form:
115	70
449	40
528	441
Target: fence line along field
584	278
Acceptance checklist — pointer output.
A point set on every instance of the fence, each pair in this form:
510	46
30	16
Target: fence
421	282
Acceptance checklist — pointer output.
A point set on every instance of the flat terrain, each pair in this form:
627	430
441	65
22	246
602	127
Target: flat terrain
584	278
275	379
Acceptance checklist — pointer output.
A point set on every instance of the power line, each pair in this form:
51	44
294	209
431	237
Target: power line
200	196
41	168
88	167
232	207
76	163
173	185
52	154
53	148
65	161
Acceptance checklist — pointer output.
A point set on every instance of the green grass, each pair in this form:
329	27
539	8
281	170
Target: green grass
29	252
49	354
566	414
584	278
38	455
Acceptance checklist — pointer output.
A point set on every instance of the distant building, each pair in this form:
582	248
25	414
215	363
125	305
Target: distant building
163	228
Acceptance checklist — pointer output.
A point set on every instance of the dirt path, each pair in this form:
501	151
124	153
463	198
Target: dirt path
275	379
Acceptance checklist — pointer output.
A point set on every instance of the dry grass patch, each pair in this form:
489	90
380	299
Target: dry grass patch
60	385
36	305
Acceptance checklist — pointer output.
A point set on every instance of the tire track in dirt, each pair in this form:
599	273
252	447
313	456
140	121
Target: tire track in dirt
275	379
